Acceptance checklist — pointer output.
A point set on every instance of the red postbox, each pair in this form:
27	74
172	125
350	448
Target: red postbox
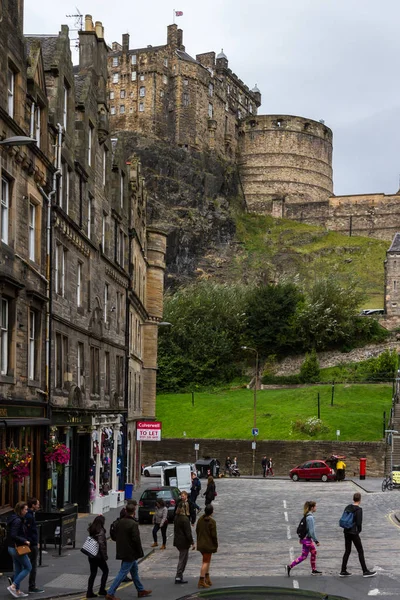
363	467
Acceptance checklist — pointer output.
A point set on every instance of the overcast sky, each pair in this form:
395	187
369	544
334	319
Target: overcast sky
336	60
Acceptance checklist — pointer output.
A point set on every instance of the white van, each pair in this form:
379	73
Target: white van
179	476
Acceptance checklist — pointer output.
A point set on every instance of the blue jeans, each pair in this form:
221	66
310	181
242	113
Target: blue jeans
126	567
22	566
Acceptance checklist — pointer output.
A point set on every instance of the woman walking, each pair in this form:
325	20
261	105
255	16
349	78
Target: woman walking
17	536
308	541
160	521
210	492
207	544
97	531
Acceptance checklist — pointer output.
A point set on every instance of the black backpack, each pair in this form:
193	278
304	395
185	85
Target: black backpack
302	529
113	530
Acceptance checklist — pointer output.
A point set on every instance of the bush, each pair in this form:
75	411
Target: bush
310	426
269	379
309	370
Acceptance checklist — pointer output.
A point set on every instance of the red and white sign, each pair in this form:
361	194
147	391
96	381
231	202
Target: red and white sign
148	431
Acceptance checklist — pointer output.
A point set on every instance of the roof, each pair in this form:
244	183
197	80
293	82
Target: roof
395	247
49	46
255	90
185	56
222	55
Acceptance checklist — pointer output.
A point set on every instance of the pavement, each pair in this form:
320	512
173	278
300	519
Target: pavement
254	518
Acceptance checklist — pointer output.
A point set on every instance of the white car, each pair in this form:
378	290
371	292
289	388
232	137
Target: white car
154	470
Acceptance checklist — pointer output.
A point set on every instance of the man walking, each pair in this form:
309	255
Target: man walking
352	536
264	463
195	491
183	539
129	549
32	535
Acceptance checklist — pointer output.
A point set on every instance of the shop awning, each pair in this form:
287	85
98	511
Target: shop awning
23	422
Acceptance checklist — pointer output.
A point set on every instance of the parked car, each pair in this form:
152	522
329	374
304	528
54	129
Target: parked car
147	502
313	469
154	470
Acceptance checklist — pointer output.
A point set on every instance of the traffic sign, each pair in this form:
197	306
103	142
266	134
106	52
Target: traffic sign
254	431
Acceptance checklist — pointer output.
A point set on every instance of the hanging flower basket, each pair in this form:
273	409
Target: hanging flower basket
15	463
58	454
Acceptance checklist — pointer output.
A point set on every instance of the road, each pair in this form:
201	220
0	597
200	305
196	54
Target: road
257	521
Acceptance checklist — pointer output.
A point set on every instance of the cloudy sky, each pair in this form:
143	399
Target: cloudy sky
336	60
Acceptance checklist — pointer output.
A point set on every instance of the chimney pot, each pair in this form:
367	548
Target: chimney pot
88	23
98	27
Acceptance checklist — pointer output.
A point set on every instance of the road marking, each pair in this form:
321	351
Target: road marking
286	516
284	504
295	584
393	520
374	592
288	532
291	553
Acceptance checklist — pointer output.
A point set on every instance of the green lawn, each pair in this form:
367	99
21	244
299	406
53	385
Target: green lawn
357	412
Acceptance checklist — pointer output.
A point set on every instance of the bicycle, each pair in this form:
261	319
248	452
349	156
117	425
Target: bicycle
387	483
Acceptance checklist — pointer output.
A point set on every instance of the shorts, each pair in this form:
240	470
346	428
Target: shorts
206	557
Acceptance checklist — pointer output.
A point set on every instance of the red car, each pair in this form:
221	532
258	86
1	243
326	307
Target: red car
313	469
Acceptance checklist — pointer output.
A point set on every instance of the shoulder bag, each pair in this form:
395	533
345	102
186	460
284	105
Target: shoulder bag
90	547
21	550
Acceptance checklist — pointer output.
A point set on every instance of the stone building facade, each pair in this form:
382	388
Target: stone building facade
195	103
24	171
392	284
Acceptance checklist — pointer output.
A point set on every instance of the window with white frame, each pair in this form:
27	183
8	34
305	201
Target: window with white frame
210	110
185	99
103	232
112	110
112	95
33	351
79	285
60	264
38	125
115	61
80	366
89	216
106	298
32	231
61	361
104	165
142	91
122	185
5	208
11	92
90	141
66	177
134	76
65	108
165	62
211	89
165	79
141	107
141	78
115	78
133	59
122	109
5	336
122	94
185	82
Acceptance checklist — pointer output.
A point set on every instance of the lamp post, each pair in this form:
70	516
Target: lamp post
255	432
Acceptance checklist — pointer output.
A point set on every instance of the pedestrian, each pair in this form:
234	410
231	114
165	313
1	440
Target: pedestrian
340	470
129	549
17	535
264	463
352	536
235	462
97	531
210	492
195	489
270	470
228	463
183	539
160	521
188	507
307	542
33	537
207	544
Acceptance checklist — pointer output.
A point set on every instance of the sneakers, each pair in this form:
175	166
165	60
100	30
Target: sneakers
144	593
177	580
369	573
22	594
315	572
288	569
35	590
13	591
345	574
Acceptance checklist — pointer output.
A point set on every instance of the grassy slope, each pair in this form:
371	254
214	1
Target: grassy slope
357	412
276	248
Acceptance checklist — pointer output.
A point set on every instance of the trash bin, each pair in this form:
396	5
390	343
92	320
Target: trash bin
128	491
206	467
363	467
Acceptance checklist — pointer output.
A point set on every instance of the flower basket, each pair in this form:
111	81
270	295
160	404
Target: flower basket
15	463
57	454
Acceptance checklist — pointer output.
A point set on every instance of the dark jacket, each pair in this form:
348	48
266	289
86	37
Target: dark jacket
183	538
31	528
210	493
195	489
206	531
102	540
357	524
129	546
16	531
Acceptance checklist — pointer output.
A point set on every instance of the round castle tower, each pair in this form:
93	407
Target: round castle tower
284	160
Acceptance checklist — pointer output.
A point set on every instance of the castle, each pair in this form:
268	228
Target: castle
284	161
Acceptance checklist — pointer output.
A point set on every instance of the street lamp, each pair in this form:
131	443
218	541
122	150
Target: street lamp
255	432
18	140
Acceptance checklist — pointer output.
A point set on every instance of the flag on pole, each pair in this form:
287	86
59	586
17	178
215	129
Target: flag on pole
179	13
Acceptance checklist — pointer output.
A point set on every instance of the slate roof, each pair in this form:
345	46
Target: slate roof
49	47
395	247
185	56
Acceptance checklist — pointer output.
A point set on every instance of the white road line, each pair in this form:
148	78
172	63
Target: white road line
288	532
286	517
295	584
284	504
291	553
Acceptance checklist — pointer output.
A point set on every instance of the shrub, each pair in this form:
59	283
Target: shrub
309	370
269	379
311	426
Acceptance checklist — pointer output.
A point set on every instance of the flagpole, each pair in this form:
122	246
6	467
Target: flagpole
173	17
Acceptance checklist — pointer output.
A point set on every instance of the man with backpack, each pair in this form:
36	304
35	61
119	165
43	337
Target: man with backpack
351	521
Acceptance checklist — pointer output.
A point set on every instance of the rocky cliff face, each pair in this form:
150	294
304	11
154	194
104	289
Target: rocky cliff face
192	197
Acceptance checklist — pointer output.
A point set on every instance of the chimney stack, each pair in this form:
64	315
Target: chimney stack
88	23
125	42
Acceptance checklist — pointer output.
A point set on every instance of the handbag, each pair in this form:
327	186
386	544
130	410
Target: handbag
21	550
90	547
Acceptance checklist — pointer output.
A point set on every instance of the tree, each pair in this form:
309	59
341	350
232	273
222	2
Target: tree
309	370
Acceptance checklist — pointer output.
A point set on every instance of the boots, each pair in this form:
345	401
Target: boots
163	547
208	580
202	583
154	544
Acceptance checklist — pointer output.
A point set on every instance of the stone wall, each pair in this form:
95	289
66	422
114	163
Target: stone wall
285	455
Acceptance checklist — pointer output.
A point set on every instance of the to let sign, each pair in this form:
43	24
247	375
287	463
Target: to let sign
148	431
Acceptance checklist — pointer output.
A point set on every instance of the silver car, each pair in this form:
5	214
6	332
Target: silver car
154	470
